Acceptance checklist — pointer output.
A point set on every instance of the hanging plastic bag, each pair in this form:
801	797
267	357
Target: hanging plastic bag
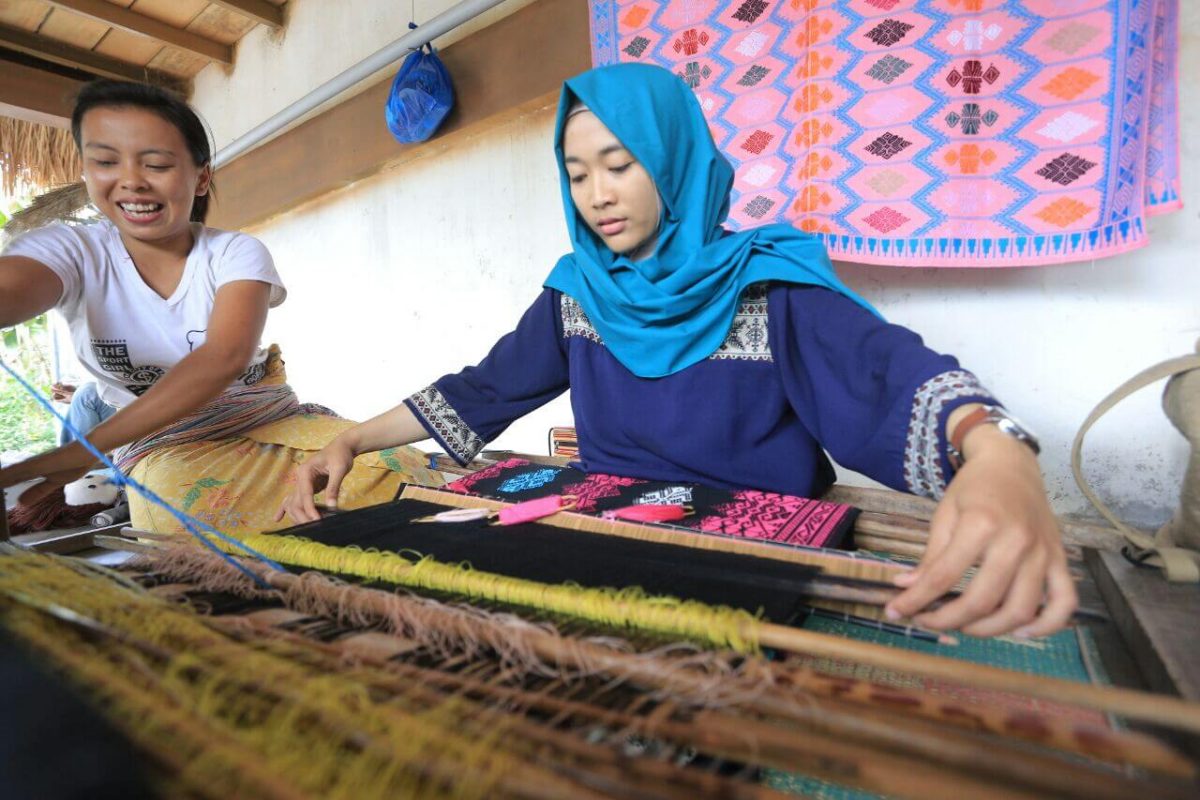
421	96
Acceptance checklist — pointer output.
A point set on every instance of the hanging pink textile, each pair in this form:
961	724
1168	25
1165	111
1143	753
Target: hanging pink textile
957	133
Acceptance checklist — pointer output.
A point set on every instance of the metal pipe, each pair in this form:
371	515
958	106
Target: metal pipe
442	23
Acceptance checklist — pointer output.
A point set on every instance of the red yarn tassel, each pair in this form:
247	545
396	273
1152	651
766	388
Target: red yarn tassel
649	513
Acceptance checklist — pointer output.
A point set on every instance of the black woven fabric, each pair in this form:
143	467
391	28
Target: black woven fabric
555	555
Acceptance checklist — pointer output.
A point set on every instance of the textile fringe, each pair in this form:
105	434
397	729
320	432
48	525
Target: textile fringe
35	157
716	679
49	512
629	608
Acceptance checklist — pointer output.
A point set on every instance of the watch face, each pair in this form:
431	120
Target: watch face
1013	427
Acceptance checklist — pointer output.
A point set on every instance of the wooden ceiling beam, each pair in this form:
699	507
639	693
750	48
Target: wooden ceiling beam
257	10
140	25
36	95
68	56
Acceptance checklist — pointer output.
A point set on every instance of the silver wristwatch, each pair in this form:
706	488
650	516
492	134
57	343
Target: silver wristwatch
993	415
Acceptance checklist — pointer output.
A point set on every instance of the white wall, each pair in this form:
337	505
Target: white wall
413	273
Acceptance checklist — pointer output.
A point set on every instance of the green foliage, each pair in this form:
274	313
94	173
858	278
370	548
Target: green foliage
24	424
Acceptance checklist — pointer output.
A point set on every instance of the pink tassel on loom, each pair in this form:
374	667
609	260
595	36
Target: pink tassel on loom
649	513
532	510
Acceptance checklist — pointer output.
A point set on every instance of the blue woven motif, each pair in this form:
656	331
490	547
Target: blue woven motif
530	480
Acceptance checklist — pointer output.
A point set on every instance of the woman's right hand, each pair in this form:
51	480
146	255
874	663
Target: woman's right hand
325	470
62	392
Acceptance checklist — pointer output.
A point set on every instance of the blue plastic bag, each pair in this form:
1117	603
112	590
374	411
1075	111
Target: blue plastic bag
421	97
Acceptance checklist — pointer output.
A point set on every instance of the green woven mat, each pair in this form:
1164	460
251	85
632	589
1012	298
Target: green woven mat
1069	654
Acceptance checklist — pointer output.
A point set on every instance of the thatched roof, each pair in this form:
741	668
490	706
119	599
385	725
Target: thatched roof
35	158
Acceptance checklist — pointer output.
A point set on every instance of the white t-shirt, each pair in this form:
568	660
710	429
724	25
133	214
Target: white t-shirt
125	334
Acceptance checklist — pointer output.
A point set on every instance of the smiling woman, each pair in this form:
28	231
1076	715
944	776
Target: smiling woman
166	314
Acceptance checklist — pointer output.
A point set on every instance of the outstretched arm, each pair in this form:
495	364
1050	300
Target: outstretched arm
994	514
524	370
884	404
235	328
27	288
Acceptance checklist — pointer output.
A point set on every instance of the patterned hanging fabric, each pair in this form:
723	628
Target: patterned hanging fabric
962	133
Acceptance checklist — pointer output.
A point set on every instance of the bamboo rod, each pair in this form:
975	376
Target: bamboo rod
896	505
897	547
1161	709
889	527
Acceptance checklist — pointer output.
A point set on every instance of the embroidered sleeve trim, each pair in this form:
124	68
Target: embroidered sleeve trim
923	469
440	418
575	322
747	339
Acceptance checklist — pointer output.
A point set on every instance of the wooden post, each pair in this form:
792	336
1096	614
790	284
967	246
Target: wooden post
4	537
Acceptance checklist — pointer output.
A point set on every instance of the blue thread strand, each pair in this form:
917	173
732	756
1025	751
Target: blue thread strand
190	523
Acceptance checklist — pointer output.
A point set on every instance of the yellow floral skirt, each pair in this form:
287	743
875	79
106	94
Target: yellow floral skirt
238	484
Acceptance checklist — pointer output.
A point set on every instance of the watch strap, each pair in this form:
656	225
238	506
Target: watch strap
978	417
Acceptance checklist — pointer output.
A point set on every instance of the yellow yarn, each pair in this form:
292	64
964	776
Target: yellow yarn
622	608
263	719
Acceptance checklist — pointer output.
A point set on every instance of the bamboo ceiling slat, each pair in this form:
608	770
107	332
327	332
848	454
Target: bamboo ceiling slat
118	17
177	62
220	25
24	14
128	47
255	10
176	13
72	29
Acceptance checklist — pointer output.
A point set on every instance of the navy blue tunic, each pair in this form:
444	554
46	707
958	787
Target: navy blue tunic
803	371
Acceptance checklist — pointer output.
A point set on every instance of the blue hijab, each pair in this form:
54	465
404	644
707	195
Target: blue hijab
674	308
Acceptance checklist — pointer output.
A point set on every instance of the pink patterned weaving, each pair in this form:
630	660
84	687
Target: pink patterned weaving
965	133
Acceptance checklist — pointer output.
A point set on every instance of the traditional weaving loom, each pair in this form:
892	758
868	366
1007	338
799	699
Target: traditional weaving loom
499	679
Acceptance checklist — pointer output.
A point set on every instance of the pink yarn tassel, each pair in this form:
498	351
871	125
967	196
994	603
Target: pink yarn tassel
532	510
649	513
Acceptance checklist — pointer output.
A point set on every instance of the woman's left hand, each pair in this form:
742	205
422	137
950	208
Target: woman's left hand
59	467
994	514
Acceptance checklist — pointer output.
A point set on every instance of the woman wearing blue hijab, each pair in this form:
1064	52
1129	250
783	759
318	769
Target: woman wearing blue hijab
736	360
